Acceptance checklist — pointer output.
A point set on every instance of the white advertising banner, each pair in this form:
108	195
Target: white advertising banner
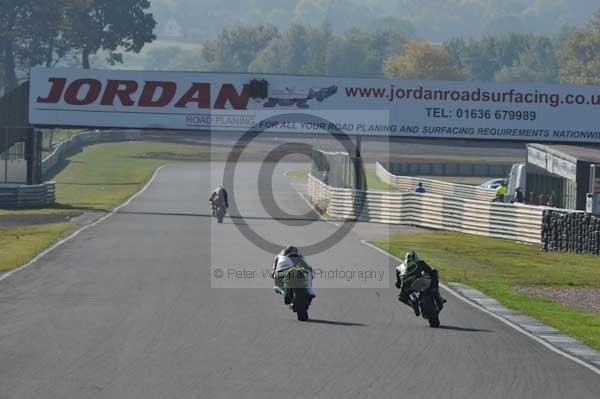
552	163
220	101
562	167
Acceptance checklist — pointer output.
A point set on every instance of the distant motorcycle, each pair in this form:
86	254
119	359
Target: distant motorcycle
423	295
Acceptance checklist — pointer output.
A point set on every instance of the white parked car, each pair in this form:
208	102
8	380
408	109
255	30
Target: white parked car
494	183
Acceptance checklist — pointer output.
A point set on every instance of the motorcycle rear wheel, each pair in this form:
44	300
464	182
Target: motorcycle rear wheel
429	310
301	304
434	321
220	214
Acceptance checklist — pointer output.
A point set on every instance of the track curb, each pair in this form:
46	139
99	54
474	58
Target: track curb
533	326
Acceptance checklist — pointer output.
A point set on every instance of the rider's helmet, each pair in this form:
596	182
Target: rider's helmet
411	256
290	250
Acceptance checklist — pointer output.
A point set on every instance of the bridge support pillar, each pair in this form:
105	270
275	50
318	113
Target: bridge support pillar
33	155
360	182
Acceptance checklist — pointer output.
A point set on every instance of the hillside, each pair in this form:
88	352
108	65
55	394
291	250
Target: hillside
435	20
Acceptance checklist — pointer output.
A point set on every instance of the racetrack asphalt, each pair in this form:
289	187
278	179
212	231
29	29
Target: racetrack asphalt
126	310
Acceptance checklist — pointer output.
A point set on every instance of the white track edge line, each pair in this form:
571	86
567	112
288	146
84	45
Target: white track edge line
83	228
509	323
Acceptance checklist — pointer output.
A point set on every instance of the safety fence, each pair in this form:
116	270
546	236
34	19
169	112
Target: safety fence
408	183
27	196
511	221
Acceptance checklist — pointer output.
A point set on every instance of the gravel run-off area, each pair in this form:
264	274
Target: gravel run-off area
586	298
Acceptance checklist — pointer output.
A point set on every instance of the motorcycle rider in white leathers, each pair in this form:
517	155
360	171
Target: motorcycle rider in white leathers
290	257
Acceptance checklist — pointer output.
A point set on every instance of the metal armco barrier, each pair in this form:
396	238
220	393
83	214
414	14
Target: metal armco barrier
576	232
436	187
27	196
515	222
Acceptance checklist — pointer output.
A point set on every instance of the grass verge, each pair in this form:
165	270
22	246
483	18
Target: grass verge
375	183
104	175
494	266
19	244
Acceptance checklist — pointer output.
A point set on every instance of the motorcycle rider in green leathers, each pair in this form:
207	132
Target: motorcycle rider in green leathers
406	273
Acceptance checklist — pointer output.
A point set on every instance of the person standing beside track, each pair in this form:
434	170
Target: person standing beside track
501	192
518	197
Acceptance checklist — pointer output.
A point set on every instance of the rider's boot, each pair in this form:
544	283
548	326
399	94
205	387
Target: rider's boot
414	301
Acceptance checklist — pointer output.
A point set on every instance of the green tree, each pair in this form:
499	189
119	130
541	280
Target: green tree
579	58
13	14
422	61
358	53
482	59
30	34
235	49
536	63
17	36
316	61
48	42
108	25
300	50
